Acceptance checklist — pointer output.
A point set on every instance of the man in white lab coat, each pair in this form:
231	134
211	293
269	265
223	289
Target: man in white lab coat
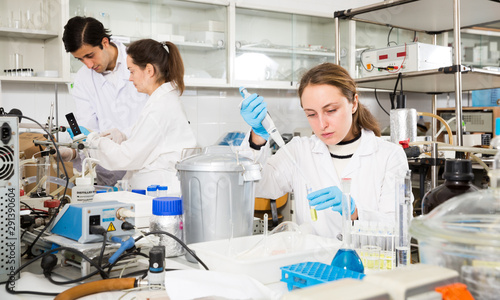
106	101
345	144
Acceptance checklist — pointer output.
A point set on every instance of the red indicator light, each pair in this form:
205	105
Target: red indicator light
401	54
381	57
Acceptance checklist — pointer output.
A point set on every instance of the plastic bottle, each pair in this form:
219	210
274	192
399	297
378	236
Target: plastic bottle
167	216
83	191
162	191
457	180
152	190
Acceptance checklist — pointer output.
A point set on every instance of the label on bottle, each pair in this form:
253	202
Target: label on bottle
84	195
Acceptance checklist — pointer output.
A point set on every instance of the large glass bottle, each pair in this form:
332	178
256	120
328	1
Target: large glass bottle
457	180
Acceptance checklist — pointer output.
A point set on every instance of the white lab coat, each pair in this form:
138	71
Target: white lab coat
372	170
102	105
155	144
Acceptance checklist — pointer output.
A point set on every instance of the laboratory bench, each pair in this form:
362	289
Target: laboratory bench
181	277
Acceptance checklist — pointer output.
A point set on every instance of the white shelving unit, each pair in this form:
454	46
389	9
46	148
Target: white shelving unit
33	29
431	17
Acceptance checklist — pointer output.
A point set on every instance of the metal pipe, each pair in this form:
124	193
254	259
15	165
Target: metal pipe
434	154
434	168
458	73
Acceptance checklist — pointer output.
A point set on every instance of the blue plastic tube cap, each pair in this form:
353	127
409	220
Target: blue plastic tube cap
152	188
167	206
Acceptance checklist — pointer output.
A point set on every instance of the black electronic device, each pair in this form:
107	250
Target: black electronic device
73	124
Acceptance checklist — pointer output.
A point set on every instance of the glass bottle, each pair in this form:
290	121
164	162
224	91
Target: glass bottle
457	180
168	217
346	257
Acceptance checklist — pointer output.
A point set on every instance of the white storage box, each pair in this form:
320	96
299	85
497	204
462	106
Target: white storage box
243	255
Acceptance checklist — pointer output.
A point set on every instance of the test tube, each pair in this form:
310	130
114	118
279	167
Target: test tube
312	210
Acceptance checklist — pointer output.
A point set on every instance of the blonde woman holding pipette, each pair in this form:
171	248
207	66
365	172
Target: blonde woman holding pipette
346	144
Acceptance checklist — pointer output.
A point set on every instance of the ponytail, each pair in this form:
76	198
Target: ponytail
174	69
363	118
165	58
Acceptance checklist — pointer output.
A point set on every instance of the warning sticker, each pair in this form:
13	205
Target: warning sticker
111	227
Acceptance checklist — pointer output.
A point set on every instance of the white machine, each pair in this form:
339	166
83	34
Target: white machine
404	58
10	246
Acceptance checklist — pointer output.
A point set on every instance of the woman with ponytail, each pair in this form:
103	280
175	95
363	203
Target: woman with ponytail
162	130
346	144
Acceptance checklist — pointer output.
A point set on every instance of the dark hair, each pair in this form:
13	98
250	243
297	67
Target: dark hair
83	30
165	58
335	75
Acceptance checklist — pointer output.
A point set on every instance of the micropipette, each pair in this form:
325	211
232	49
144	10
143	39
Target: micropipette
274	133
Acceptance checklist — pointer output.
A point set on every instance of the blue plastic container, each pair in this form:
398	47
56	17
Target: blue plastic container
311	273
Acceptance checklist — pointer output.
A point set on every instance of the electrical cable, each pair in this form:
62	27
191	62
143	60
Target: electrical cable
157	287
388	38
393	106
361	61
143	273
13	276
121	257
394	69
33	210
104	275
376	98
30	247
72	281
191	252
401	90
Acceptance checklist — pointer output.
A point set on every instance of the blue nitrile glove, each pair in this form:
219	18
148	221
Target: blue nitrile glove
329	197
254	110
84	130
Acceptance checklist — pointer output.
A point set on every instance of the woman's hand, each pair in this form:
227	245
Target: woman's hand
329	197
115	135
254	110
